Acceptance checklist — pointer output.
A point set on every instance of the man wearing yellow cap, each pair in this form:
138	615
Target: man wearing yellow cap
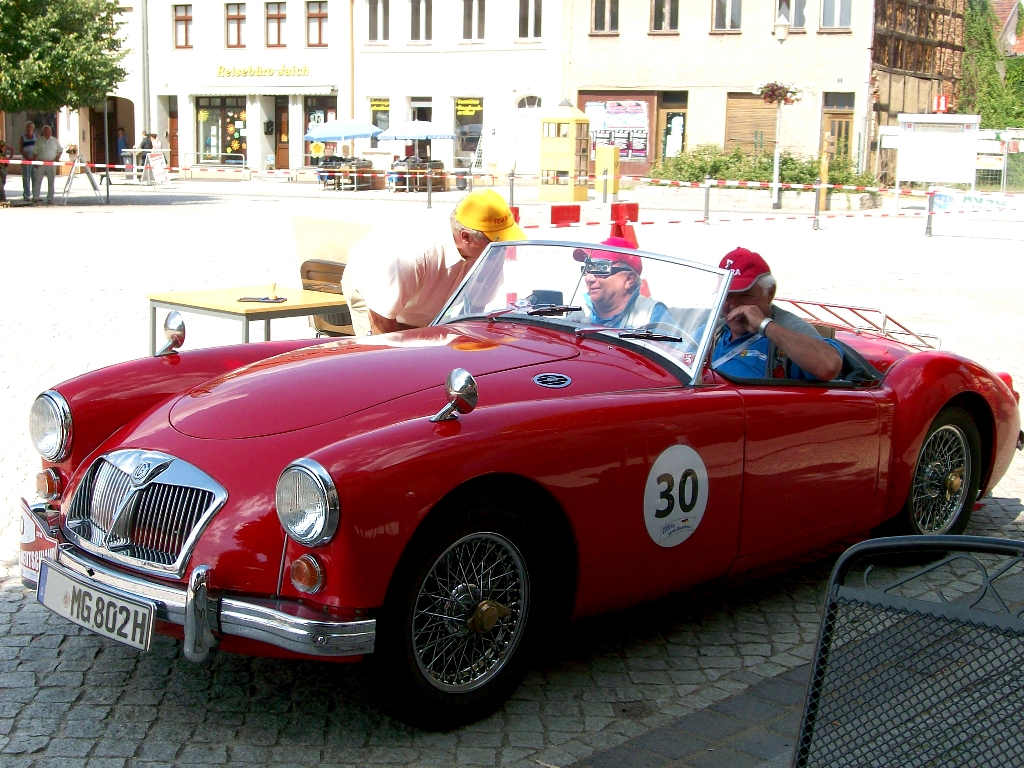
396	280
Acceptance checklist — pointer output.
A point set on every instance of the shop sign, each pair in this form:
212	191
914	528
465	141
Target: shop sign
624	124
468	107
302	71
380	105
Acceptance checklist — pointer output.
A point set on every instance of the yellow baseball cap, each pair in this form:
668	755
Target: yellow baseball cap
486	211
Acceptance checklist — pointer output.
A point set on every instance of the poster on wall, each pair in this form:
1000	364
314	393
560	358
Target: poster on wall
622	123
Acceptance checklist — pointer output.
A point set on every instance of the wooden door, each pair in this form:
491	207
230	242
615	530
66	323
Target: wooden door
172	128
672	129
839	125
281	138
750	123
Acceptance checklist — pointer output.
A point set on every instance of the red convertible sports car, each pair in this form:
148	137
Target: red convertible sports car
439	498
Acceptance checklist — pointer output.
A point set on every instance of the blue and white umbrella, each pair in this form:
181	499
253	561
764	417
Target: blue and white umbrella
341	130
417	129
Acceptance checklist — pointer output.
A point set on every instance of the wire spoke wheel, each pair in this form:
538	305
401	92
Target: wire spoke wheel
470	612
941	482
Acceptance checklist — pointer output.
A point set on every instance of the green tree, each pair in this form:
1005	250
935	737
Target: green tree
983	90
56	53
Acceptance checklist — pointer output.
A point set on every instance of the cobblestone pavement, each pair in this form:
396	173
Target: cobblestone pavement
76	280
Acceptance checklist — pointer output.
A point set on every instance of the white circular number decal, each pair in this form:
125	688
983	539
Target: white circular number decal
675	496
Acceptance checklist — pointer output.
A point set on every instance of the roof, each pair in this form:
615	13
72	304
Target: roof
1018	48
1003	9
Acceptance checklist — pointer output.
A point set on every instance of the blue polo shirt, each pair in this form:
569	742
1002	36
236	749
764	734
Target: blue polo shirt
748	357
659	315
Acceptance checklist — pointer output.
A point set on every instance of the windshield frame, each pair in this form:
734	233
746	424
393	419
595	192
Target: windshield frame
644	348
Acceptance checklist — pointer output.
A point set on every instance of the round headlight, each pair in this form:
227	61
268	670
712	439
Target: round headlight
49	424
307	503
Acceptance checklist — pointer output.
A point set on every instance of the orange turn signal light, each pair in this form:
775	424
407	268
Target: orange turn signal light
307	574
48	484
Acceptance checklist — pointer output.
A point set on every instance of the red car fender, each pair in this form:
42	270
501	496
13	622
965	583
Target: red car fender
105	400
920	386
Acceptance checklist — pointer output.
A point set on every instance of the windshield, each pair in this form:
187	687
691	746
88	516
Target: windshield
658	302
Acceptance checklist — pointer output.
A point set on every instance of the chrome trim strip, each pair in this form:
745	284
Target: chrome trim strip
199	640
280	623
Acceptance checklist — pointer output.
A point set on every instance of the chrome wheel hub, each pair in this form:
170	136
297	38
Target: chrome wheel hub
470	612
940	489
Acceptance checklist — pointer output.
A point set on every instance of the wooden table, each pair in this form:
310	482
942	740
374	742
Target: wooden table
223	302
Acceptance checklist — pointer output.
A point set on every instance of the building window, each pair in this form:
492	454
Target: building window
318	110
422	21
380	116
665	16
796	17
316	25
236	25
835	14
380	19
838	101
473	19
183	26
275	25
727	14
606	16
469	123
529	102
529	11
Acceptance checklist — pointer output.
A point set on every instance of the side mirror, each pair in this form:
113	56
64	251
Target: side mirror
174	332
462	395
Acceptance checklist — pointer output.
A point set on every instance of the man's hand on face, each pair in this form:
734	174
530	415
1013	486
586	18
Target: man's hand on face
744	319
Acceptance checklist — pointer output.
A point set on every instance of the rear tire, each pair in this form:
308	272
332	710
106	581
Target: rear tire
462	615
946	477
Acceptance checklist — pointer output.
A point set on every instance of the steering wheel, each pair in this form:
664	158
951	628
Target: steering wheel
669	329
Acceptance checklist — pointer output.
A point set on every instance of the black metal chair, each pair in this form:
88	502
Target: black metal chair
920	657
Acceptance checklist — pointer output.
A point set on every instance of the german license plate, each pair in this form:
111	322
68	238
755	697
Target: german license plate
106	612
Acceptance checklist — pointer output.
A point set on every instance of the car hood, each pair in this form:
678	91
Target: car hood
318	384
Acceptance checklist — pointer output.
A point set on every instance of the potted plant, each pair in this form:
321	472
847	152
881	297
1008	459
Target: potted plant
778	93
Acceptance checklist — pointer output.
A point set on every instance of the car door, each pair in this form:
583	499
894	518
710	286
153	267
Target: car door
665	512
810	466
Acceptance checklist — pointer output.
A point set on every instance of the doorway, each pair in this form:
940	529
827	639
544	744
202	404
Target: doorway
839	124
422	110
673	132
281	132
172	129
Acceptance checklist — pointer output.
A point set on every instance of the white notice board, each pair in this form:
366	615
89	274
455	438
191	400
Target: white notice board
158	166
937	148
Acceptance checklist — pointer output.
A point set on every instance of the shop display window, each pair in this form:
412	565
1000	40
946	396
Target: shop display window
221	130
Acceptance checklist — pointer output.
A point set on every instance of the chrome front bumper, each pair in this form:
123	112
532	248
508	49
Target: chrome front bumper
282	623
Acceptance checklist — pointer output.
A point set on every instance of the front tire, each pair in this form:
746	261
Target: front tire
946	477
461	616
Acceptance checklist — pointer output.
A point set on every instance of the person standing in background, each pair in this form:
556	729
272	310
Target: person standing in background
123	152
27	148
47	149
145	143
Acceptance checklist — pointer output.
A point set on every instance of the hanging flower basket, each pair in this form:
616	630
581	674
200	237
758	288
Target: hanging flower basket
779	93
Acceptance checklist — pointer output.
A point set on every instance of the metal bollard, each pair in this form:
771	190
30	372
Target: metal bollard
817	205
707	198
604	194
931	202
430	179
511	188
470	179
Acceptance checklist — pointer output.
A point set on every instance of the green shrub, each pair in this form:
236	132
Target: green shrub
713	161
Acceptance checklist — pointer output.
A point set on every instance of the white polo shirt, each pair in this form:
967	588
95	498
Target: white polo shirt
407	277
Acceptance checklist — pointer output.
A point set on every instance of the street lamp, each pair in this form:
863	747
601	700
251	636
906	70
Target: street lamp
782	26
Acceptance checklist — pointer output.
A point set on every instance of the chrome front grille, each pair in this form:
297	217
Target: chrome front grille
144	509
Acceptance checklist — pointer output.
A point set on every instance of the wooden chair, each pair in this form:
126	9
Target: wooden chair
323	246
321	275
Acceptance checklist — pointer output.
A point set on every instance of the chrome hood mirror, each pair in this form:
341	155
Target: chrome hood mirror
462	395
174	332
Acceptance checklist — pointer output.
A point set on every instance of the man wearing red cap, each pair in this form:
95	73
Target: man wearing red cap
761	340
613	297
401	278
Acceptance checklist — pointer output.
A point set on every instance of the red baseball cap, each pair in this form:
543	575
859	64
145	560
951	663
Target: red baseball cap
746	267
631	261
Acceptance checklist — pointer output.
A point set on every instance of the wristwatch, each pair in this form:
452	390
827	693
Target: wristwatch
764	325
